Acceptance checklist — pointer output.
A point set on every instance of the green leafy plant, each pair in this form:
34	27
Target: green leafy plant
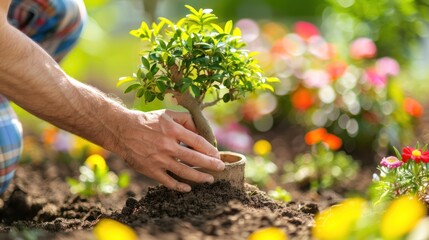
324	167
405	173
280	194
95	178
192	59
260	166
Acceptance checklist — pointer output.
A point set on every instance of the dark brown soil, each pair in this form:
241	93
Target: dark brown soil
216	211
39	203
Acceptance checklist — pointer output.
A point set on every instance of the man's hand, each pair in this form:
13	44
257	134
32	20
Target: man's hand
150	143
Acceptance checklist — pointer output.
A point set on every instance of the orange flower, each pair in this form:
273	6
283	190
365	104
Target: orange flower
315	136
413	107
302	99
333	142
321	135
49	135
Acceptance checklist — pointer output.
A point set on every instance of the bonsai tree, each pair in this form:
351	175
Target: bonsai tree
192	59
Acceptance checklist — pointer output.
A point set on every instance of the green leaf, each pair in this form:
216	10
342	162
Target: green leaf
149	96
145	62
226	97
123	80
161	86
193	11
72	182
398	154
228	27
160	96
273	80
184	87
154	69
124	180
267	86
132	87
149	75
195	90
162	44
140	92
217	28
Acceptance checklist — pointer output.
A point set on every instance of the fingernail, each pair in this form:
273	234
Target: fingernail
185	188
220	166
210	179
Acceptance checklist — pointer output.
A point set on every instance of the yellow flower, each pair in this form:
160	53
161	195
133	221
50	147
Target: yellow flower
262	147
96	160
270	233
108	229
337	221
401	216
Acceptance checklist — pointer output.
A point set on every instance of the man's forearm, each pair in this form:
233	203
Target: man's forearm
33	80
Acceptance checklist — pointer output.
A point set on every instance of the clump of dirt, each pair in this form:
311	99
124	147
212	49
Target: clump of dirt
217	211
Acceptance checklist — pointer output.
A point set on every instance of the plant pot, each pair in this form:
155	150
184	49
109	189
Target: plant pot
233	172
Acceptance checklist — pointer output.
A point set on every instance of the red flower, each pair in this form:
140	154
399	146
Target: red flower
306	29
415	154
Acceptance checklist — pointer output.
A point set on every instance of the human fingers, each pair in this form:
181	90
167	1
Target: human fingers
202	153
182	118
170	183
188	173
191	139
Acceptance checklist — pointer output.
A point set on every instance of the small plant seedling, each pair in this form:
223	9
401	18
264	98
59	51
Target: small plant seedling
193	59
96	178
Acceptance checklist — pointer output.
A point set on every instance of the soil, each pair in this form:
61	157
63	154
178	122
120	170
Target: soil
40	204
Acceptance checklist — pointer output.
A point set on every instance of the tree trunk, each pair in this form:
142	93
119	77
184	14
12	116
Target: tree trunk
194	107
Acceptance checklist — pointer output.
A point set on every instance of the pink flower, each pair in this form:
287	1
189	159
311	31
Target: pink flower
376	79
249	29
306	30
316	78
363	48
391	162
387	66
234	137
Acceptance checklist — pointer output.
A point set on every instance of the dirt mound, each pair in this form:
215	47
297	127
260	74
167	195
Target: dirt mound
216	211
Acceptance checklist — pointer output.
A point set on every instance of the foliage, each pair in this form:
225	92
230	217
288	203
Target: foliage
95	178
259	166
396	26
280	194
109	229
355	218
407	173
322	168
191	58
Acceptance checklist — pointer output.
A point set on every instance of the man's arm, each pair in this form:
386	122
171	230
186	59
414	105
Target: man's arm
149	142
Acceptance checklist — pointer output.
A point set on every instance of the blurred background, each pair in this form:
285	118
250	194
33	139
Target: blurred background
355	68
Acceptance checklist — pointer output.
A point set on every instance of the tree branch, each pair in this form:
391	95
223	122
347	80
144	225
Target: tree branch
209	104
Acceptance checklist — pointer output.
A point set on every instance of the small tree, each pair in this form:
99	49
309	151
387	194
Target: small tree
192	58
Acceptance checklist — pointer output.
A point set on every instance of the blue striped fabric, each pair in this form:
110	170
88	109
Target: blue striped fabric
10	143
54	24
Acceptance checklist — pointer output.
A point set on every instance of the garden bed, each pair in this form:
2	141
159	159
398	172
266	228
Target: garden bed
39	202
